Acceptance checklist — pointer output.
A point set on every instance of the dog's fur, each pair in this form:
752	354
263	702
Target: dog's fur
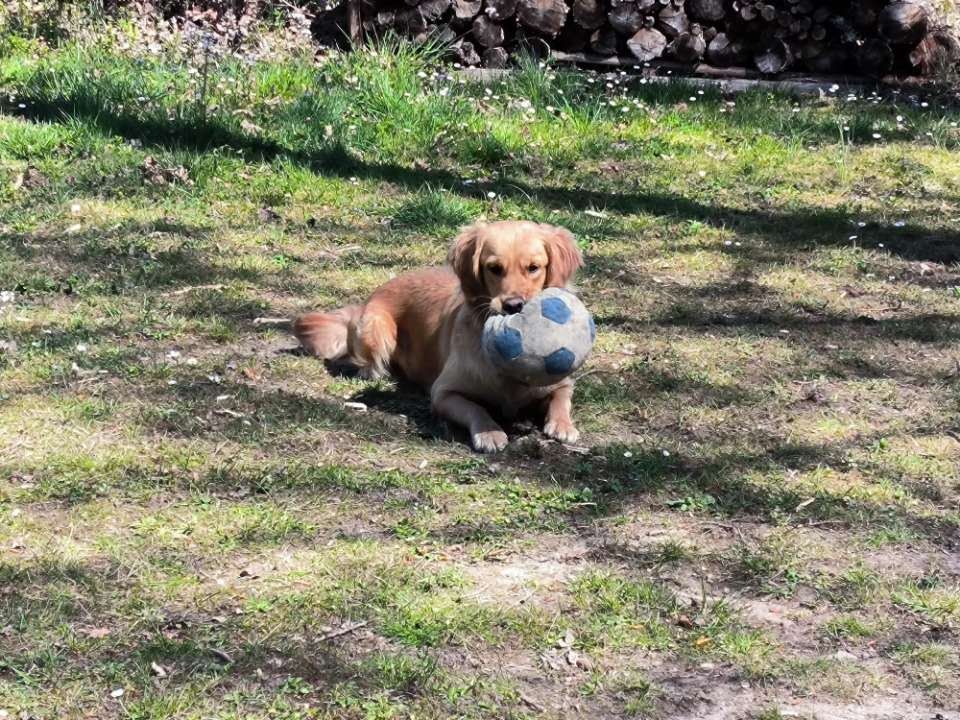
425	326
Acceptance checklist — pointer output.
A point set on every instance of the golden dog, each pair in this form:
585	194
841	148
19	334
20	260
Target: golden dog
425	326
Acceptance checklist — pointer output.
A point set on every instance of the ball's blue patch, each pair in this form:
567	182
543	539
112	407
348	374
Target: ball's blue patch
509	343
554	308
559	362
593	328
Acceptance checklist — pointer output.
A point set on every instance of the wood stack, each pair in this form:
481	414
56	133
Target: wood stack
872	37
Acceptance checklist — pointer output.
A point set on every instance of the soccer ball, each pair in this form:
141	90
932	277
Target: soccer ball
545	342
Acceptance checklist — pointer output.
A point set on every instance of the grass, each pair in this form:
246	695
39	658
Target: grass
768	472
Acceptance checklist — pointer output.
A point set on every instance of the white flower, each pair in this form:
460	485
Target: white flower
81	347
491	195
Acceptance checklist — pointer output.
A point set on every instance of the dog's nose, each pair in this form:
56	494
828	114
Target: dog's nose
512	306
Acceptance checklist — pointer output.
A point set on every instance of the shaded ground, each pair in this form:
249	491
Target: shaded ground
761	520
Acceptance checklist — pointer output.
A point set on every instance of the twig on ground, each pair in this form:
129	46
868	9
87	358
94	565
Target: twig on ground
221	655
531	703
192	288
343	631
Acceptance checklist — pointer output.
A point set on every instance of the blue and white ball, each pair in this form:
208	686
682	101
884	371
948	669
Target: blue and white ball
545	342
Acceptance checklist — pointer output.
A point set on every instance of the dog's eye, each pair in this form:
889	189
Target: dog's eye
495	269
533	268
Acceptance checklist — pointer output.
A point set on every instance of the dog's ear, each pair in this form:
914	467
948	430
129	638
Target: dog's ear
464	258
565	256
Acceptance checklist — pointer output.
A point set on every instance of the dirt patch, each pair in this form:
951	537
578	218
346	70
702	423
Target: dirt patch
529	580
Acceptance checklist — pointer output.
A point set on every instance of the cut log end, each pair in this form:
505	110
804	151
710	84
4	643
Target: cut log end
543	16
647	44
773	57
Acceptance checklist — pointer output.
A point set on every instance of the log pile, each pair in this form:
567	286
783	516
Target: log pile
867	37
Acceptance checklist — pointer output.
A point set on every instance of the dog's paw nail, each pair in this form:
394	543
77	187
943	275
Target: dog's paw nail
564	432
492	441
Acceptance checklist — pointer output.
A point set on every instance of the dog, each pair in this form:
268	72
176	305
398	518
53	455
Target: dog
425	326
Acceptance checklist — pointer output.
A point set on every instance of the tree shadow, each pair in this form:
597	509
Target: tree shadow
207	643
783	230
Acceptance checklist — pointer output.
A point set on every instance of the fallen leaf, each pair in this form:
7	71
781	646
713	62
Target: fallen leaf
118	693
156	174
158	670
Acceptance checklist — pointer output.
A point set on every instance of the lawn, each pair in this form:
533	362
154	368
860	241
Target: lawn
761	520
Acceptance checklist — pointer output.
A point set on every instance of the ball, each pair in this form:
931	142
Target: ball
543	343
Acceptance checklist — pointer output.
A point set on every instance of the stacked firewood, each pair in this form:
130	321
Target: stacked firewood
871	37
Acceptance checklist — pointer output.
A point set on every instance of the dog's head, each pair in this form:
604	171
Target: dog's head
506	263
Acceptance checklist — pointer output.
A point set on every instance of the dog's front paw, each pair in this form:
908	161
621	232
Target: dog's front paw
489	441
562	430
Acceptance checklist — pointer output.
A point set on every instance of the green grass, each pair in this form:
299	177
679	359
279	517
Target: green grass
768	472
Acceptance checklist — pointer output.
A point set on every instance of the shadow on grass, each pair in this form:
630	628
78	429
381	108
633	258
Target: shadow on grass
207	647
786	231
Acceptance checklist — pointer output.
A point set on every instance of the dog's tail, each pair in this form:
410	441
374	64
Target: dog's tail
325	334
